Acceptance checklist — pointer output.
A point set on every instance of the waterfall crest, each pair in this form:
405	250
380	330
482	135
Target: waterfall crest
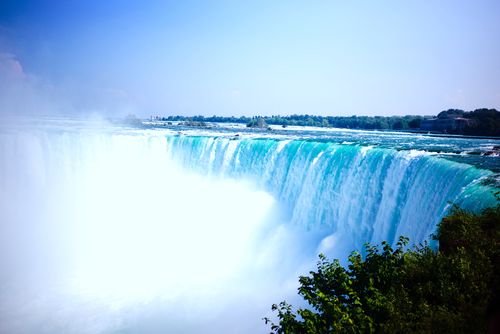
369	194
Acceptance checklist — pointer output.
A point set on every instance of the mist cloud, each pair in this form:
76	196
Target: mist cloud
22	93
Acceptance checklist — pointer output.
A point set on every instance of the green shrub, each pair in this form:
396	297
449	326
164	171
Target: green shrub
418	290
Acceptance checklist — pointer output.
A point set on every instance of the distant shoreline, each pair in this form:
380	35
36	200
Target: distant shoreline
480	123
414	131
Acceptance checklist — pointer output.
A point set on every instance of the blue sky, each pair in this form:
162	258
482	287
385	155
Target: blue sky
250	57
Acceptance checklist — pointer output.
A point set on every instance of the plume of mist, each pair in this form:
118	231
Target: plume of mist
25	94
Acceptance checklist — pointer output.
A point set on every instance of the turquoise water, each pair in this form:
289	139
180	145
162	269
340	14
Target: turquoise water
364	192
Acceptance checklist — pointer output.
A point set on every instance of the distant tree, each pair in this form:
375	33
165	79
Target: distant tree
451	113
414	123
399	125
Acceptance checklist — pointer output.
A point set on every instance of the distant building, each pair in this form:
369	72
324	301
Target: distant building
452	124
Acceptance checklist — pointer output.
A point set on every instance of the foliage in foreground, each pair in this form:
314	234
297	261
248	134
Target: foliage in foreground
451	290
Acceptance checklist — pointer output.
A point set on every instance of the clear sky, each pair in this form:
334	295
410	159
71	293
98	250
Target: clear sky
249	57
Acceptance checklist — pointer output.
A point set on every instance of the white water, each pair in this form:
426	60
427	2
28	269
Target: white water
105	230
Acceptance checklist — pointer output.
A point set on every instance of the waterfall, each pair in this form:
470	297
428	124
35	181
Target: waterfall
109	229
363	193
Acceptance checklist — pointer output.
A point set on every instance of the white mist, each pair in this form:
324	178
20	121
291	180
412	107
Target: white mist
101	232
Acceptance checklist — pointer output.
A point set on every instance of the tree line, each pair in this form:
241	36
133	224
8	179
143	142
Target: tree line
353	122
484	122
